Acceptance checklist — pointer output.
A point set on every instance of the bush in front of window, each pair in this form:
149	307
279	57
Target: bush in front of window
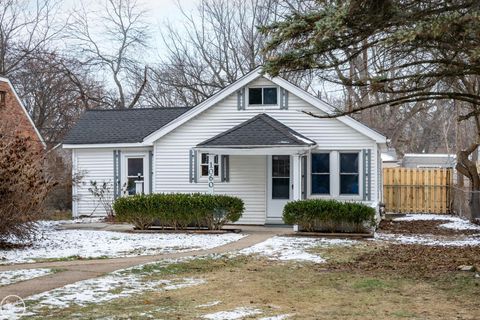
329	216
179	211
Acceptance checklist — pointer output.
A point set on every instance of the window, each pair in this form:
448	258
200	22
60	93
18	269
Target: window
320	173
204	165
349	175
134	173
3	98
280	177
262	96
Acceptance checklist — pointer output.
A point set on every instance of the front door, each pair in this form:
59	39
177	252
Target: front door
279	186
134	180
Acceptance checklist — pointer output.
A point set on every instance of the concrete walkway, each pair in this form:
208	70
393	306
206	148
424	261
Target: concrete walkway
73	271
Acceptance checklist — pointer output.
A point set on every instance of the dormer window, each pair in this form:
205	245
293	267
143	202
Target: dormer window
3	98
262	96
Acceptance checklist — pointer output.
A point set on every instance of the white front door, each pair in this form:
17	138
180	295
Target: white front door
135	174
279	190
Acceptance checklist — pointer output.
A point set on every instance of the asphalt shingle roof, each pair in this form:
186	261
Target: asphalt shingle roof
120	126
261	130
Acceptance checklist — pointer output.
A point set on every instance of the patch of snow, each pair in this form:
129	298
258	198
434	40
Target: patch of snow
238	313
209	304
12	311
426	216
119	284
293	248
455	223
429	240
307	141
460	225
56	243
185	283
13	276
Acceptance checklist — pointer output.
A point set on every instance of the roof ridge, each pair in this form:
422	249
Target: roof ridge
279	126
136	109
233	129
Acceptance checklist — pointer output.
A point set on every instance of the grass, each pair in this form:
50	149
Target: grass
305	291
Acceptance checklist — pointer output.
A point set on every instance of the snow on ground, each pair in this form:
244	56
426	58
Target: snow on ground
279	317
429	240
293	248
56	243
13	276
119	284
209	304
238	313
456	223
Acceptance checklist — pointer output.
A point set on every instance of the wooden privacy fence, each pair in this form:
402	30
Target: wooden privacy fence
417	190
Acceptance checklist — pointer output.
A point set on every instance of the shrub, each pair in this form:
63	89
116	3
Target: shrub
178	210
23	188
329	215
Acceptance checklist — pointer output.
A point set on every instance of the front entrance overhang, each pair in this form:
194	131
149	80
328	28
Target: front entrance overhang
258	150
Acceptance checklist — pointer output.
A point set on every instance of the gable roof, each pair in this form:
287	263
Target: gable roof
322	106
40	138
120	126
261	130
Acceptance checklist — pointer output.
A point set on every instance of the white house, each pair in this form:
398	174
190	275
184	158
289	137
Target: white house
265	146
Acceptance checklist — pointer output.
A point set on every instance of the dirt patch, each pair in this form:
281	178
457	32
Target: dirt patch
421	227
416	261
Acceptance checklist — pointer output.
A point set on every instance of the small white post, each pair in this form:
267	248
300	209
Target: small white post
138	186
211	173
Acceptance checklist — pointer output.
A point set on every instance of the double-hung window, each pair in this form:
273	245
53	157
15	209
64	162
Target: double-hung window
204	165
262	96
320	173
349	173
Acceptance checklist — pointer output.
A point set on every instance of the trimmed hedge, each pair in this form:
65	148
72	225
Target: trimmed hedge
329	215
178	210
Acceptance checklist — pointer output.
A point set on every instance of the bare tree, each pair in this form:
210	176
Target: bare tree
25	27
111	42
56	91
217	44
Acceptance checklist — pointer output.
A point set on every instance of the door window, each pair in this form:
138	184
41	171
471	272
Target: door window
134	173
280	177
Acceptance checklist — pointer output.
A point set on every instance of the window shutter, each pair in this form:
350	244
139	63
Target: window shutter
367	176
225	172
283	99
241	99
116	174
150	172
193	175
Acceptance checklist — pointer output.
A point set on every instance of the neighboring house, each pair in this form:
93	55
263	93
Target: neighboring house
429	160
14	118
390	159
263	147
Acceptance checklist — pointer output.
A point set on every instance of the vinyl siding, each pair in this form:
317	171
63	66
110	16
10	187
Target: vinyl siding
248	176
91	165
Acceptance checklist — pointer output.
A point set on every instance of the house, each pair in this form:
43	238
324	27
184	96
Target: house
14	117
429	160
390	159
254	139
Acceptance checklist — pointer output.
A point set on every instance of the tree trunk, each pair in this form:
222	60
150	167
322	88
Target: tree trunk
468	168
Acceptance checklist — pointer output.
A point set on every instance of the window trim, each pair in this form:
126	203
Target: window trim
262	104
358	173
321	173
201	177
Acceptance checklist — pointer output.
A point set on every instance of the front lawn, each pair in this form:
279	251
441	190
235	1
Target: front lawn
257	287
